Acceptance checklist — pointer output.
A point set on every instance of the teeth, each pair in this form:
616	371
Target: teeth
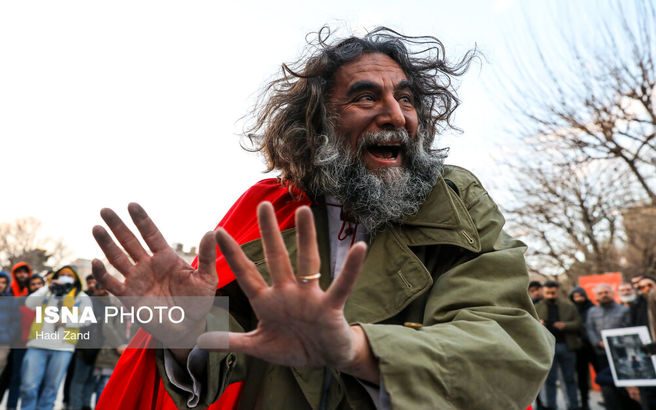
384	151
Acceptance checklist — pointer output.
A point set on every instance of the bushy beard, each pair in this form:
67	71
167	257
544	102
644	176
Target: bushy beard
383	195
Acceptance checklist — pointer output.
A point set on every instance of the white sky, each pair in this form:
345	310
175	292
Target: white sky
103	103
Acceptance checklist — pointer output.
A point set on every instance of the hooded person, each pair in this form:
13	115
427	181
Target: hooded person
585	355
48	343
17	354
579	297
5	283
20	275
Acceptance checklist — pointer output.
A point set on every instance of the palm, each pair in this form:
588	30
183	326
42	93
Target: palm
166	273
160	279
295	326
298	323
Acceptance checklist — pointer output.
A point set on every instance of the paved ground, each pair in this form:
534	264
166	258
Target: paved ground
596	401
58	402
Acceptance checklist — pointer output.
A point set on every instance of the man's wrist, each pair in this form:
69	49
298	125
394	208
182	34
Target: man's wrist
364	365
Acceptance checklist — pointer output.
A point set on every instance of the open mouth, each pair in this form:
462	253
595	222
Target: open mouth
385	151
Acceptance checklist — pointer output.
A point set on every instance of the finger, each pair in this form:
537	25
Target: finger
207	254
123	234
307	260
341	287
275	251
213	341
114	254
249	279
113	285
223	341
151	235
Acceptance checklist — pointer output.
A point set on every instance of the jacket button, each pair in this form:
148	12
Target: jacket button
413	325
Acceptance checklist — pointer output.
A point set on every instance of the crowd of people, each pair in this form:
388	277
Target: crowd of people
576	323
33	369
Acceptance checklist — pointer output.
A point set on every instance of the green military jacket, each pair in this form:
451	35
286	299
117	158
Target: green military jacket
450	268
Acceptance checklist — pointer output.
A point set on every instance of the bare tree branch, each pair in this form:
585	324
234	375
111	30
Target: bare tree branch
21	240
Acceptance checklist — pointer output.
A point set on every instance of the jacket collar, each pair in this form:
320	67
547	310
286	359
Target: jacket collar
442	219
440	210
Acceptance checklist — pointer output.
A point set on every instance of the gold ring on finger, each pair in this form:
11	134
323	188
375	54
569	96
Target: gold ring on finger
308	278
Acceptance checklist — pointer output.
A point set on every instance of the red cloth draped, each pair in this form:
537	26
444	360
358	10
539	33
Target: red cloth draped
135	382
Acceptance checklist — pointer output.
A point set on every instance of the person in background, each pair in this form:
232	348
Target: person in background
560	317
635	281
585	355
535	291
4	350
83	383
84	357
47	358
640	317
9	318
34	283
91	285
626	294
20	273
651	311
638	309
608	315
5	281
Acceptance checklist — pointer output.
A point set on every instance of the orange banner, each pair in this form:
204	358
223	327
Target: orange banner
589	282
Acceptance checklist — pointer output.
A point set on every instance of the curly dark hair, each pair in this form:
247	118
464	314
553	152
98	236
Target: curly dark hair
291	114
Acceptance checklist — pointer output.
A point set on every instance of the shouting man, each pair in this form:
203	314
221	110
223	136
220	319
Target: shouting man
402	290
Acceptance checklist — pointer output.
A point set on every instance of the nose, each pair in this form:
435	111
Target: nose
391	115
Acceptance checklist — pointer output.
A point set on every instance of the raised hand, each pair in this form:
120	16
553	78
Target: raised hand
298	323
162	276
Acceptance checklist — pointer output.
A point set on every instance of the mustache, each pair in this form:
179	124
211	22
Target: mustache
332	148
400	136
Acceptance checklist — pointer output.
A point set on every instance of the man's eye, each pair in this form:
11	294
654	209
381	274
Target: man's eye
405	99
365	97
